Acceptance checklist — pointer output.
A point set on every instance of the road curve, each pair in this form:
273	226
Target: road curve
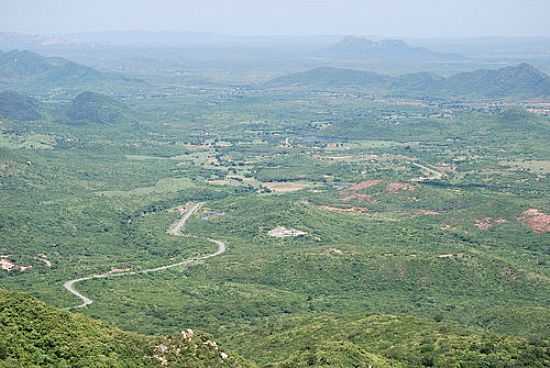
175	230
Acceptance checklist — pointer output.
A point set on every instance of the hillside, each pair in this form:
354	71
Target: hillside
90	107
521	81
327	77
386	50
34	334
388	341
24	65
15	106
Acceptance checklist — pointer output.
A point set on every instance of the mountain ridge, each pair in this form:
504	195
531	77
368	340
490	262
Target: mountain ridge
353	47
522	80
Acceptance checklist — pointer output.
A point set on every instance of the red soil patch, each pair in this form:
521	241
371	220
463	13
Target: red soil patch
350	196
487	223
537	220
365	185
399	186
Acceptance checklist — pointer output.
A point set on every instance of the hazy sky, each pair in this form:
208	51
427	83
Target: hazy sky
404	18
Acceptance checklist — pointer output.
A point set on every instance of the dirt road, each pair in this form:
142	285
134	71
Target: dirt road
175	230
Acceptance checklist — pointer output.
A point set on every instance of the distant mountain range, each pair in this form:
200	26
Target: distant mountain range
521	81
383	50
23	70
26	65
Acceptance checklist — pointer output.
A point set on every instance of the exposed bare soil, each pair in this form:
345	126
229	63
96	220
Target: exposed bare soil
283	232
350	196
487	223
365	184
284	187
397	187
537	220
6	264
427	213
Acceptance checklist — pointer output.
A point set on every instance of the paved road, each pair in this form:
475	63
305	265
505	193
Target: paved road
175	230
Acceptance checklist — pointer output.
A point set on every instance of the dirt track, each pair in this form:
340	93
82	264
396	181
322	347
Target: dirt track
175	230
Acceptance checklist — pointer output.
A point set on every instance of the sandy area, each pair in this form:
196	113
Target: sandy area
283	232
284	187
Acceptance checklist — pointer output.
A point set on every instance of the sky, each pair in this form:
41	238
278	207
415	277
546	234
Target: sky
391	18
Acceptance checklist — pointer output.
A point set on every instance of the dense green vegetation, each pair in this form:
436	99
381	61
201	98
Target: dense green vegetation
390	341
14	106
423	227
96	108
521	81
36	335
22	65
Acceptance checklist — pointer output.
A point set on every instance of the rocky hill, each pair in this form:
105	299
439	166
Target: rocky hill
36	335
387	50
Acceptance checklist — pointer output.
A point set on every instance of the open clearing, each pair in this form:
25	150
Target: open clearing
166	185
535	166
537	220
487	223
283	232
399	187
357	210
285	187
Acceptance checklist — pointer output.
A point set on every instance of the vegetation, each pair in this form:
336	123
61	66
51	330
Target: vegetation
18	107
22	65
96	108
391	341
35	335
416	230
521	81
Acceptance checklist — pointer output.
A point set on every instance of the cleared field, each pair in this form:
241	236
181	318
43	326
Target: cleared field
166	185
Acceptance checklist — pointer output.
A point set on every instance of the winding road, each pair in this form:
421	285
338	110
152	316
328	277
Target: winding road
176	230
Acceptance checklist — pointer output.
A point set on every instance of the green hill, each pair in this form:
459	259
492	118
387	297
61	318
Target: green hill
27	66
14	106
386	341
91	107
35	335
521	81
